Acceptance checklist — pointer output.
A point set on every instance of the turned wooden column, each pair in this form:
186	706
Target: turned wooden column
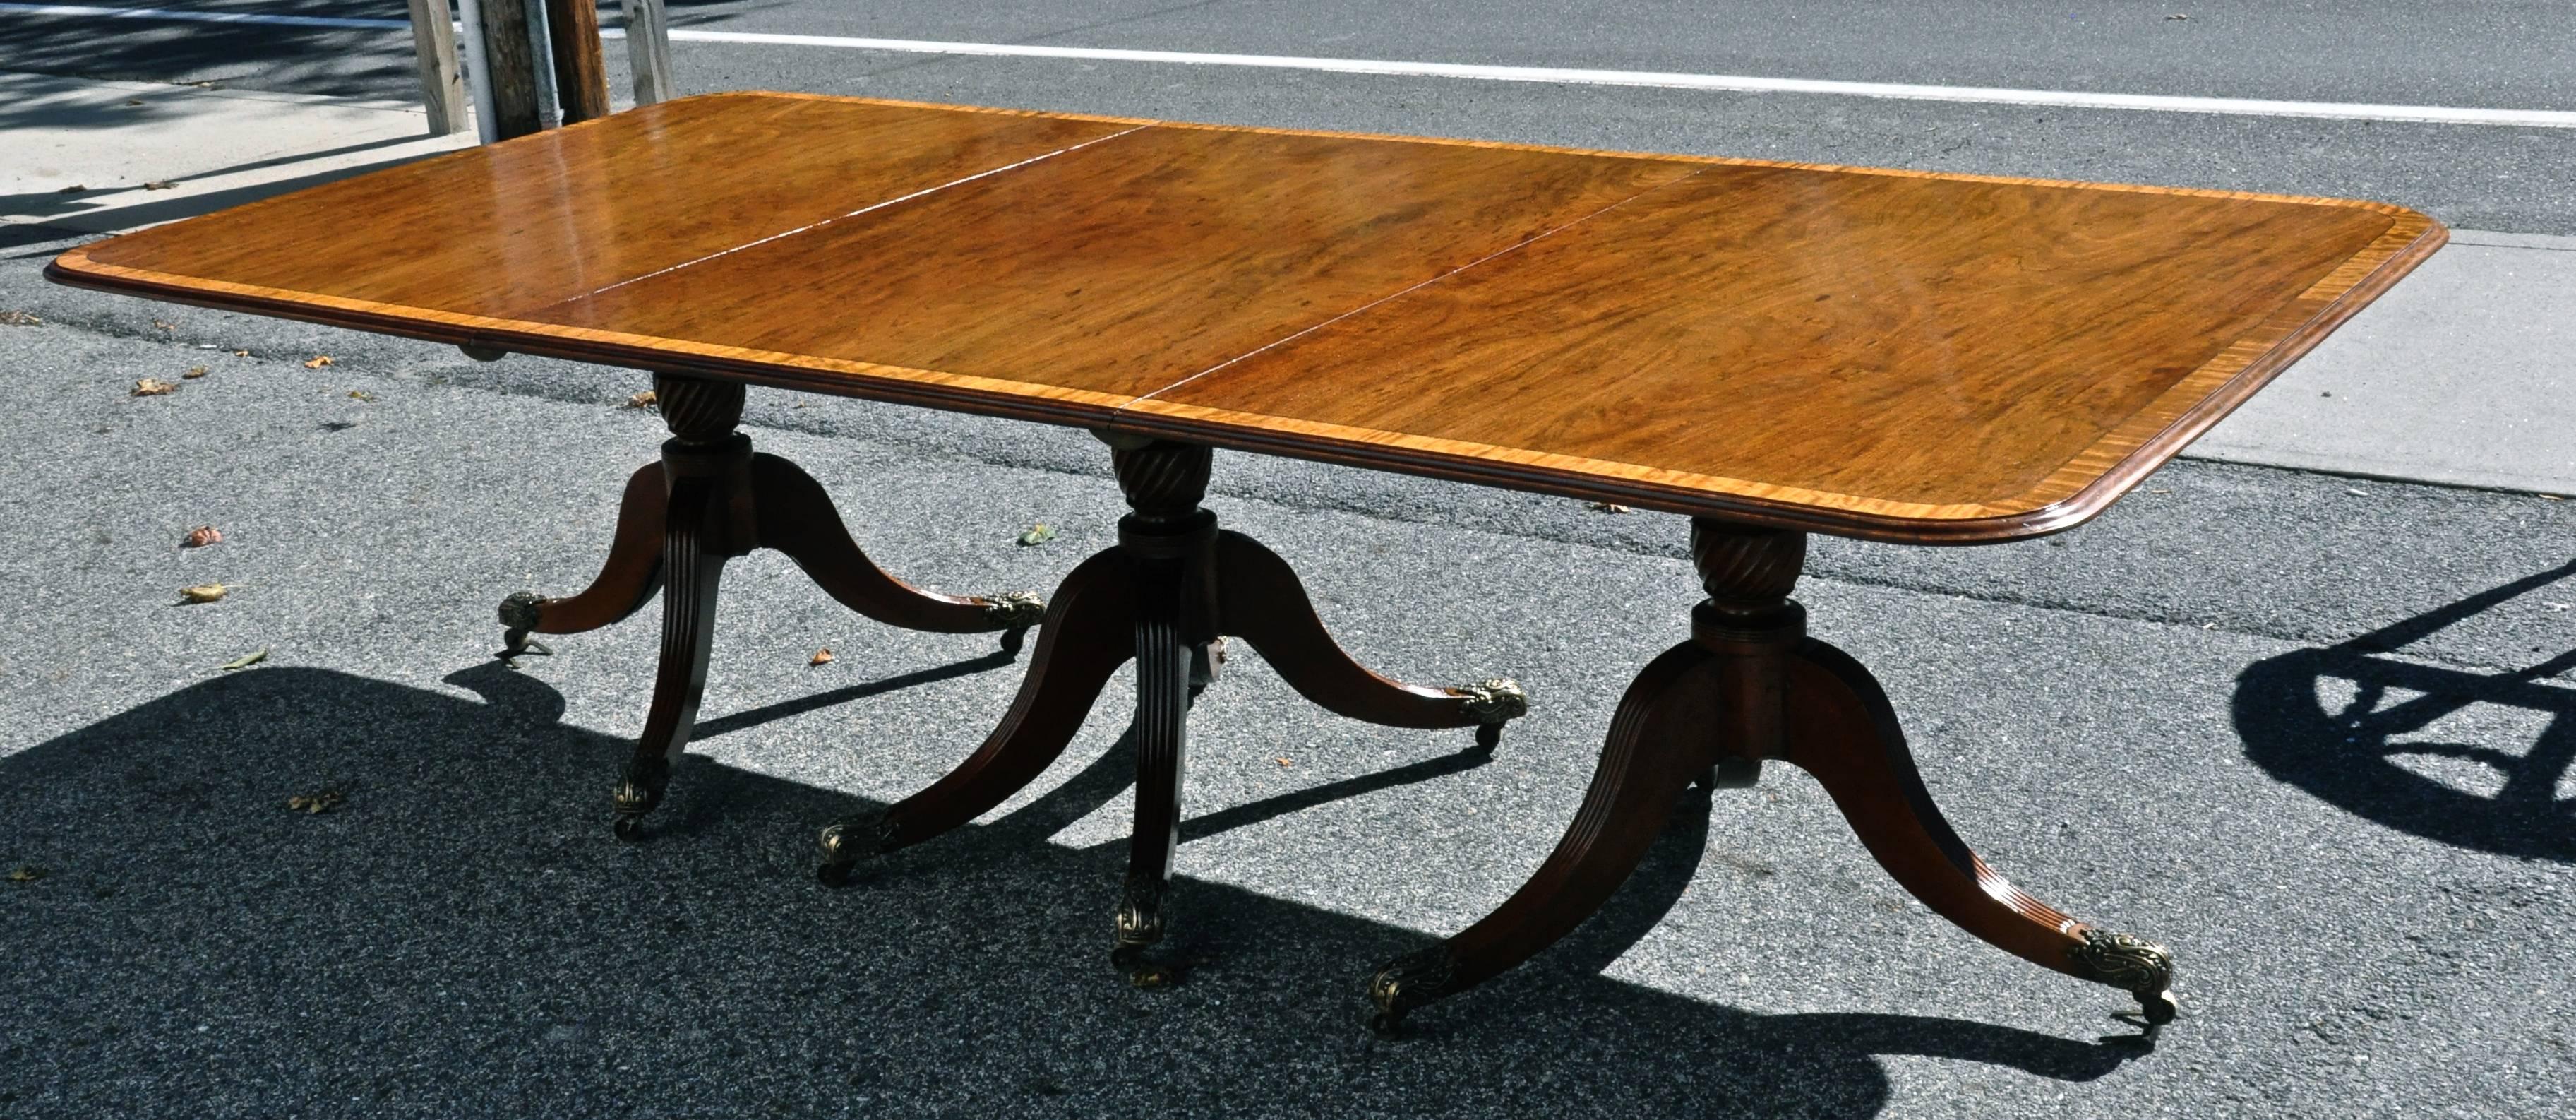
1750	623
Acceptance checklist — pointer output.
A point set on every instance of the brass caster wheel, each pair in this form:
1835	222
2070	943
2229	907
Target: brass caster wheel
519	616
2135	963
1015	613
639	789
1492	703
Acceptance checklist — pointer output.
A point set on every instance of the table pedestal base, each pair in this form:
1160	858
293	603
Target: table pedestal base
710	499
1164	595
1748	686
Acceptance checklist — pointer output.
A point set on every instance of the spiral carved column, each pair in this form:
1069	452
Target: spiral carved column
1750	622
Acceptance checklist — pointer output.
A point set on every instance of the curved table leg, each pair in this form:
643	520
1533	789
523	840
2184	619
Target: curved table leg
797	517
1087	635
1162	733
1261	601
1750	685
1659	741
693	561
1843	731
626	581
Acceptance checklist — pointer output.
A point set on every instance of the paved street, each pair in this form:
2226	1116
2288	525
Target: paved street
2296	707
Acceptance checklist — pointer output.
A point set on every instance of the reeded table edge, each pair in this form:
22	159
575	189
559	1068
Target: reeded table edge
2078	490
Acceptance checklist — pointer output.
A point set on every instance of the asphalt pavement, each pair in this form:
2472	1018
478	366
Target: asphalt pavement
2314	731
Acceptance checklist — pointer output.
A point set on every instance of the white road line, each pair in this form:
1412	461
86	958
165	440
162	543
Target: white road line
1726	83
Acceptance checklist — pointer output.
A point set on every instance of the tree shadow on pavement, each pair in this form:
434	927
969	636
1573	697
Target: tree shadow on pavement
2341	723
457	935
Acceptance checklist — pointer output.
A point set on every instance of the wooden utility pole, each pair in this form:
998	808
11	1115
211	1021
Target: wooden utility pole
581	78
442	85
510	56
648	50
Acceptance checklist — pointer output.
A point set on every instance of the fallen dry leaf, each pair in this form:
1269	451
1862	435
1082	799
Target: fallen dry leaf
322	801
246	660
20	319
1039	533
27	873
821	657
201	536
361	395
241	353
645	399
159	185
1609	507
154	387
204	592
137	101
319	361
194	372
1282	762
165	324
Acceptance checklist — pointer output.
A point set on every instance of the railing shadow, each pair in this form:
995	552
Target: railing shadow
458	935
2347	750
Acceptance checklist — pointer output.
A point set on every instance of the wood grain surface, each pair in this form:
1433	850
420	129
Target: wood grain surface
1883	354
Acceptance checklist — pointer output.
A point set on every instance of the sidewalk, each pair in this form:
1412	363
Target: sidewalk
2464	375
101	157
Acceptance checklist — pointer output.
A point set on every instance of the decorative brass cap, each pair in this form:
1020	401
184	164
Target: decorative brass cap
1015	609
1494	700
2127	961
519	611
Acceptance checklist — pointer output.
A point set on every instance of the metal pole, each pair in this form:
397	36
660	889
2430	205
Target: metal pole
478	70
541	45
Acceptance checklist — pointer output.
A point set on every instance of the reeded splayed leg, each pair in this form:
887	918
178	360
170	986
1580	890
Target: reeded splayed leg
1748	686
1657	741
1171	546
626	581
1846	734
1262	602
1088	634
797	518
711	519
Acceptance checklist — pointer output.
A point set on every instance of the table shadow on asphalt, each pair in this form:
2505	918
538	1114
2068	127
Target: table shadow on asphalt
461	934
2348	752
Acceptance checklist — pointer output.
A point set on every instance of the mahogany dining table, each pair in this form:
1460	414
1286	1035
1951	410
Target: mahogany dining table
1770	349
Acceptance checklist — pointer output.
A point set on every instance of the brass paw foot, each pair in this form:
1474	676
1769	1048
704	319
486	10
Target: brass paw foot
2141	966
519	615
1015	613
843	844
1140	927
1408	982
1492	703
639	790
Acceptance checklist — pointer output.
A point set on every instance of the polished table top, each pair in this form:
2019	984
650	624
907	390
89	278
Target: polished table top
1883	354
